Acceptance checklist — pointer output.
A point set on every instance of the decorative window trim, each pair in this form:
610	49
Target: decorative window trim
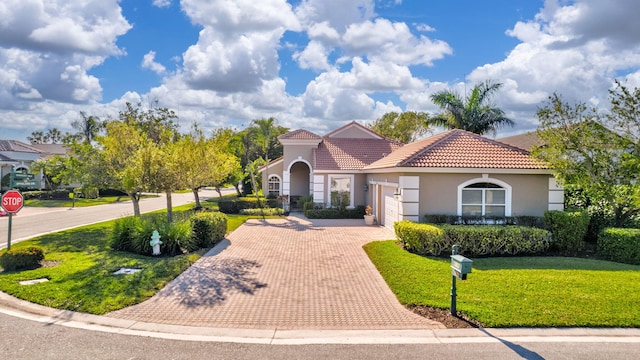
351	188
279	183
502	184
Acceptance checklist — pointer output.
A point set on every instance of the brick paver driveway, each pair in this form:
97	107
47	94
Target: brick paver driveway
289	273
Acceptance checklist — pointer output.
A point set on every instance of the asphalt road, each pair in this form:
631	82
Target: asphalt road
26	339
31	221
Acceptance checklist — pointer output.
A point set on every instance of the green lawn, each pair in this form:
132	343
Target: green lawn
82	278
518	291
80	202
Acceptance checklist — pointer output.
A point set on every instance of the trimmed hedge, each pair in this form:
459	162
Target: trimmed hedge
568	229
62	194
234	206
488	240
262	212
208	228
21	258
334	213
525	220
620	245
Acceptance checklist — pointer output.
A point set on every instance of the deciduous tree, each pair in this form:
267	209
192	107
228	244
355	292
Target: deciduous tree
403	127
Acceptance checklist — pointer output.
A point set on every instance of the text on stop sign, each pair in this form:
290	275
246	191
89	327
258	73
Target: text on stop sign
8	201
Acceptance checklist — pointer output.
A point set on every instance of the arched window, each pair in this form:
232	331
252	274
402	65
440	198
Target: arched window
484	197
274	185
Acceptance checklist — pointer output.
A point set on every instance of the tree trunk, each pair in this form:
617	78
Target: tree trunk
135	200
197	197
169	208
219	191
237	187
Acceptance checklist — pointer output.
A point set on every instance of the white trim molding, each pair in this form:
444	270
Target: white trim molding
502	184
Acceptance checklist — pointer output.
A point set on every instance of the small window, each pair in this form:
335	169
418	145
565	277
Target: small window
340	191
274	185
483	199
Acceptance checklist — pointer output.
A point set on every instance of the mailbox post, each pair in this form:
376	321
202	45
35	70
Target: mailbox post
460	267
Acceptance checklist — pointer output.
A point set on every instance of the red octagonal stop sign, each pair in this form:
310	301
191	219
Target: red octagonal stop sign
12	201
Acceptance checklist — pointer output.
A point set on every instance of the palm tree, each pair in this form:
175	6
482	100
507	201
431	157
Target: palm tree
265	132
473	113
54	135
88	127
38	137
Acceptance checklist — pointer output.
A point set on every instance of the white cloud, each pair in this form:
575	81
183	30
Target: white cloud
148	62
161	3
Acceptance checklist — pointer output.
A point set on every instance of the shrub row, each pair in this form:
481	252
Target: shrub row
21	258
202	230
568	229
262	211
234	206
489	240
334	213
620	245
533	221
61	194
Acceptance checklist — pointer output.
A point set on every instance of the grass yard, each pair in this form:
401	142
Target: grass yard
518	291
80	202
79	264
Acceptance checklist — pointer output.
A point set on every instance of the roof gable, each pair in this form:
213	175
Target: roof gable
351	153
459	149
353	130
299	134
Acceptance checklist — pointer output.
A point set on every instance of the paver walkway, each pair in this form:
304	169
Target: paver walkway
289	273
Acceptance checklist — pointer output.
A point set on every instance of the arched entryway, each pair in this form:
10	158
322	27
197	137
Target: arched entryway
300	183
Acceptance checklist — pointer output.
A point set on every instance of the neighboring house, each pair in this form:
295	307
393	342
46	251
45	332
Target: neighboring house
525	141
20	156
455	172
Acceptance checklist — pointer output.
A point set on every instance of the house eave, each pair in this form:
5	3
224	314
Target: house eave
459	170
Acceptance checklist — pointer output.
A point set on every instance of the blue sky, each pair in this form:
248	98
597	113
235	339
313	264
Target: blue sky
313	64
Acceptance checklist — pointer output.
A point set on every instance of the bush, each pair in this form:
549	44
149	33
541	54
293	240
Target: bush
21	258
488	240
124	231
620	245
208	228
420	238
46	195
176	238
568	229
533	221
335	213
233	206
262	212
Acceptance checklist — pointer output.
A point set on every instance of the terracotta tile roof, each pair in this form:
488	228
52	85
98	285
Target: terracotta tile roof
17	146
459	149
300	134
351	154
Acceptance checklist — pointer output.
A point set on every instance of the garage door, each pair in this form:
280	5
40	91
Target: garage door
390	211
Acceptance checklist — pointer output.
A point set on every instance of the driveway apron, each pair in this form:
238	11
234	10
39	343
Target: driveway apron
291	273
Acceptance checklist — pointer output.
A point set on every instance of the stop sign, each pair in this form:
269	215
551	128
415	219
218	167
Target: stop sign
12	201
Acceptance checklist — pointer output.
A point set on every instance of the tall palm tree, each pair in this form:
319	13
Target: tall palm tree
265	132
88	127
472	113
54	135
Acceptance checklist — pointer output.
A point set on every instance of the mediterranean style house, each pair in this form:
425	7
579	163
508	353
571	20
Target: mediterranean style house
455	172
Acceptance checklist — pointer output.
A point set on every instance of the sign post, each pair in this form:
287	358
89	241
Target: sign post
12	202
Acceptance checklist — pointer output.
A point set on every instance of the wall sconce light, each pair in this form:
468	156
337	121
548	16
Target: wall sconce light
366	187
397	193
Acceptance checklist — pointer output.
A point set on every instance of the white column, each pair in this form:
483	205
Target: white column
556	195
409	200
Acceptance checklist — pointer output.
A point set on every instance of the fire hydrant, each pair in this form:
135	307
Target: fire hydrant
155	242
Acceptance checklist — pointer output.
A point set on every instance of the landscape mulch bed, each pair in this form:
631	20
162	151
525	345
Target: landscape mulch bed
460	321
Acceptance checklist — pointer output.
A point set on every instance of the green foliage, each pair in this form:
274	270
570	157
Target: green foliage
589	157
620	245
405	127
90	192
262	211
568	229
473	113
340	200
177	238
517	291
334	213
208	228
234	205
124	230
420	238
46	195
525	220
486	240
21	258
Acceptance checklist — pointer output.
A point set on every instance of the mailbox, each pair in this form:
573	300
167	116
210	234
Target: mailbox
460	266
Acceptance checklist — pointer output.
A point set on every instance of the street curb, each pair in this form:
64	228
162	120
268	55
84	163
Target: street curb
12	306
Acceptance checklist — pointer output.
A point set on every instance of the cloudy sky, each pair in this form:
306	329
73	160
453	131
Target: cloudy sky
313	64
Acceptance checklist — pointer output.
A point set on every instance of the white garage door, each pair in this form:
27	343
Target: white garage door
390	211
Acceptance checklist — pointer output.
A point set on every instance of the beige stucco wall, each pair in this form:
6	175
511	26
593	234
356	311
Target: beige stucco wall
439	192
273	169
300	178
294	152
